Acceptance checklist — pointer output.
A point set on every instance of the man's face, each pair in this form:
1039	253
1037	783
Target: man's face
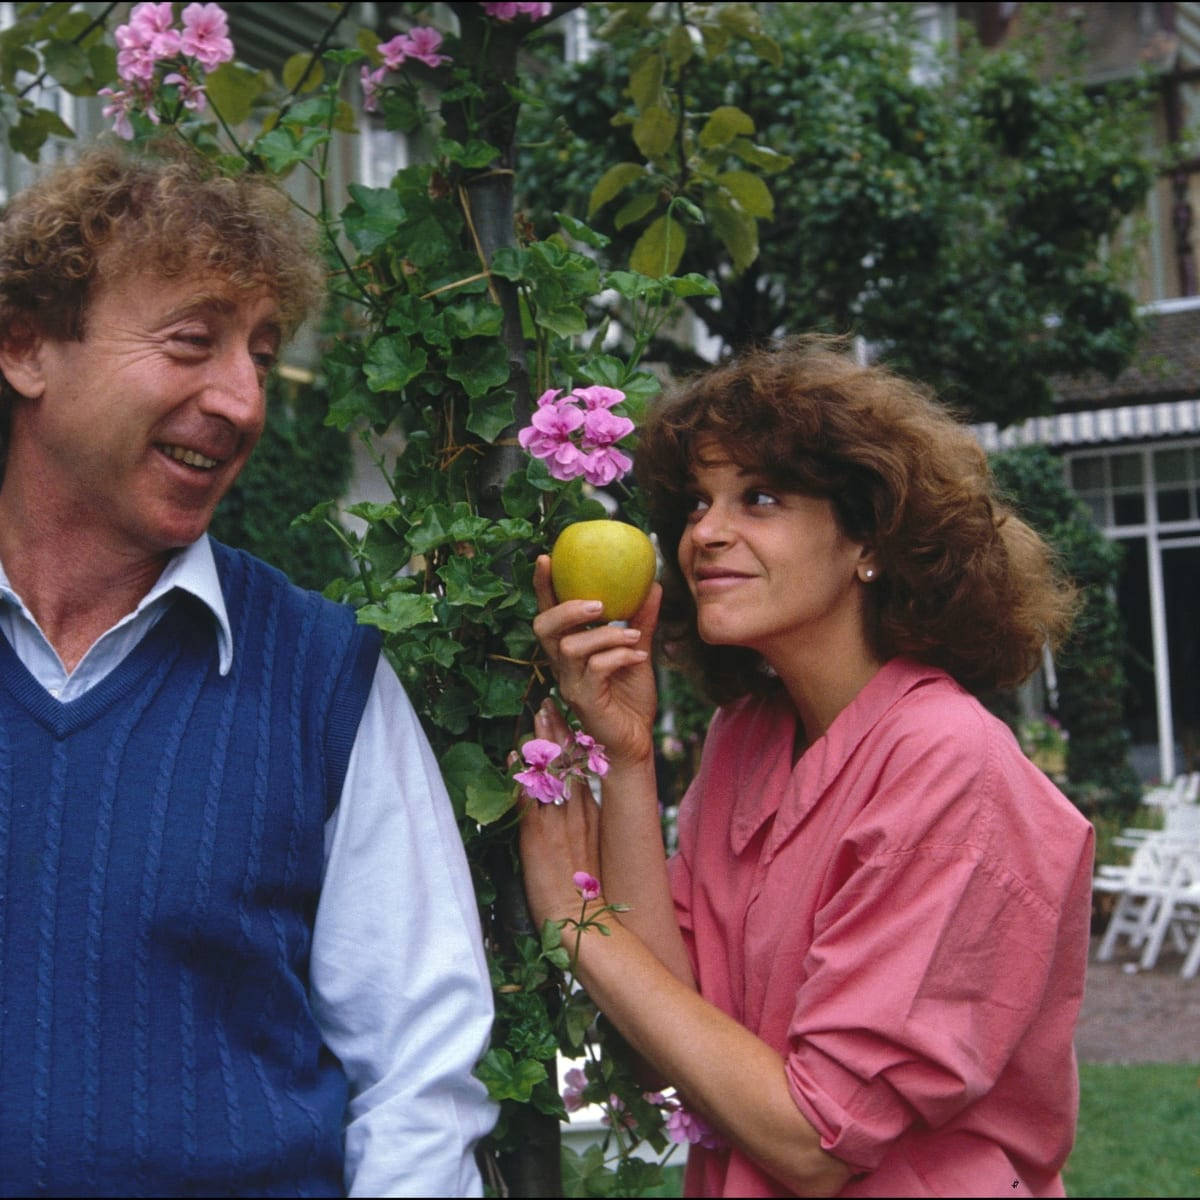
137	431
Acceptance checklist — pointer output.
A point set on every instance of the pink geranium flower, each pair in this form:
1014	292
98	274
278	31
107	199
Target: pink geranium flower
604	466
372	81
423	43
190	92
539	782
574	1082
395	51
152	26
684	1126
117	110
509	12
597	759
575	434
587	885
206	35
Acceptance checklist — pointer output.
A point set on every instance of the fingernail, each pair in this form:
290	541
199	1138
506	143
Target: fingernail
593	606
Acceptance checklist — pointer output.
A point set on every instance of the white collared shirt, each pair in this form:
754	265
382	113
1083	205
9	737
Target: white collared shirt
399	983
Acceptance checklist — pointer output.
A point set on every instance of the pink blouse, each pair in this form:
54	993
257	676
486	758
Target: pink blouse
903	915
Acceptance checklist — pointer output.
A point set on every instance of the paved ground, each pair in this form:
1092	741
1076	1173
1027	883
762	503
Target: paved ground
1132	1016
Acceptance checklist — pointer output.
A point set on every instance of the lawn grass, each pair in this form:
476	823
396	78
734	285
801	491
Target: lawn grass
1139	1131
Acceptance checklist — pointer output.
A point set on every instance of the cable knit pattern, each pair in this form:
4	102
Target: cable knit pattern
161	851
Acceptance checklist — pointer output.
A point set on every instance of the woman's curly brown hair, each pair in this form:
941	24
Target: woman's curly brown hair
114	212
963	583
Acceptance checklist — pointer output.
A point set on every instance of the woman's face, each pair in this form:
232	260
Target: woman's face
768	569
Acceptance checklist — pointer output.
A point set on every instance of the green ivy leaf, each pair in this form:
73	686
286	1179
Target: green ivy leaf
509	1080
475	317
400	611
566	320
461	765
471	583
474	154
372	218
392	362
282	149
490	416
479	368
500	694
659	249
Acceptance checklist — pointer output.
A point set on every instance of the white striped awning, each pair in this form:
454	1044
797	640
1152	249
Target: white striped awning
1172	419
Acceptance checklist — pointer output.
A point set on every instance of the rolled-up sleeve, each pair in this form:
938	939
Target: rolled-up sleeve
927	972
399	981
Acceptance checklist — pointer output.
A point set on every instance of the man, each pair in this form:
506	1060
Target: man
239	950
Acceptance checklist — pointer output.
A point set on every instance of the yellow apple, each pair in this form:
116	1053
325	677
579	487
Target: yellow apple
608	561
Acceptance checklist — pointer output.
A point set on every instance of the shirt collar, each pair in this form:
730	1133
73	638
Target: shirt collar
194	570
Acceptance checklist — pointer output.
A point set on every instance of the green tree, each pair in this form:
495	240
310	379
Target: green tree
1091	675
951	207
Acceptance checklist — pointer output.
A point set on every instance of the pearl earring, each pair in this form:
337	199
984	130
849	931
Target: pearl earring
869	574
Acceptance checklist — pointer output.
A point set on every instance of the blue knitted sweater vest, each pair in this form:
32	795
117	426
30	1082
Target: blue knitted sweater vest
161	850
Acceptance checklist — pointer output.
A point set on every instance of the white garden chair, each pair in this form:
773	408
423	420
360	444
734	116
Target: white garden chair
1177	914
1141	889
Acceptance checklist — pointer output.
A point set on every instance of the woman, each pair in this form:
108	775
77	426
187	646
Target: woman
864	964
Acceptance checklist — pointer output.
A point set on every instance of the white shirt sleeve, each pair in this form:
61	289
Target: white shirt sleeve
399	981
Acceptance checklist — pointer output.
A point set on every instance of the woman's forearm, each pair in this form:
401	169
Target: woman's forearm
633	863
725	1073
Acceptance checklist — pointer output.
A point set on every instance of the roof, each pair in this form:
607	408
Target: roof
1165	367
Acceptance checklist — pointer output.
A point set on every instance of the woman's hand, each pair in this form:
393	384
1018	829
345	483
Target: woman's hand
604	672
558	840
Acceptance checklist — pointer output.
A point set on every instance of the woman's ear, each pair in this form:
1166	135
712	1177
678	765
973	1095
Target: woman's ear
868	570
21	362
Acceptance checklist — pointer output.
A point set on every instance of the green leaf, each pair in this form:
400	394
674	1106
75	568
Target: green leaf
646	80
282	149
612	183
400	611
654	131
659	249
767	48
762	157
566	320
29	134
392	362
510	263
692	284
232	89
509	1080
559	958
479	368
723	125
738	231
67	62
474	154
500	693
297	69
750	192
475	317
635	209
461	765
490	417
551	934
470	583
680	47
372	218
488	802
582	233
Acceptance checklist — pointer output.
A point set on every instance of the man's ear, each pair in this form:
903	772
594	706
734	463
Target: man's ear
21	362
